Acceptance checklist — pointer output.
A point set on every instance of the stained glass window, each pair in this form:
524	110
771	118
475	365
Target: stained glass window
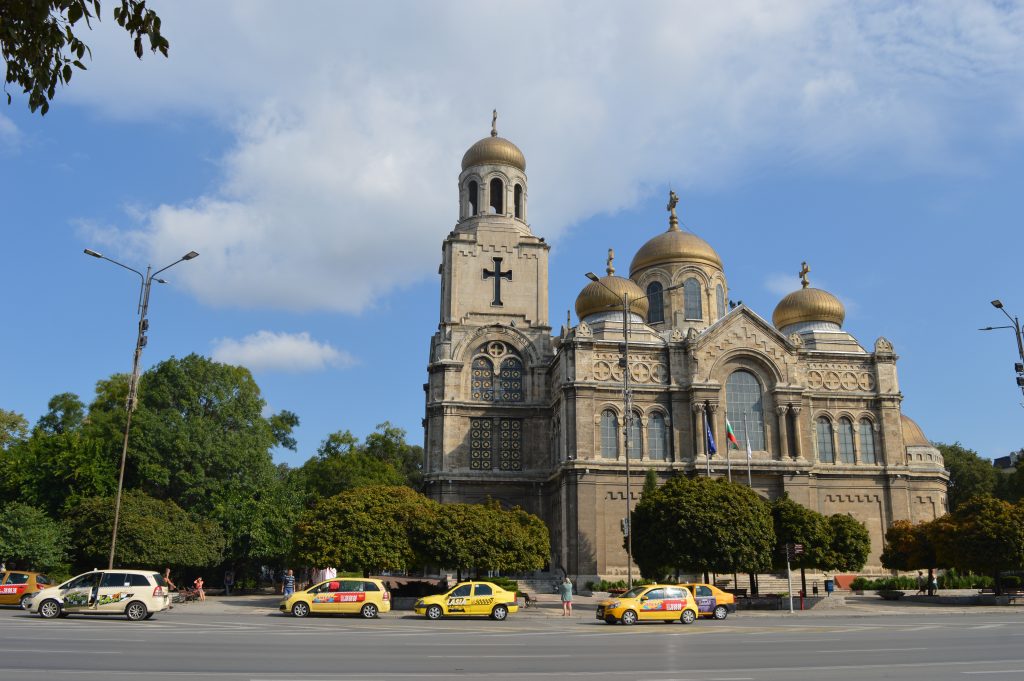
867	441
846	441
510	382
636	438
691	299
480	451
609	435
657	438
826	452
745	408
656	300
720	300
510	444
483	379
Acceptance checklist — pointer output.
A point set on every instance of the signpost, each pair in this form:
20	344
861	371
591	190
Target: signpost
792	551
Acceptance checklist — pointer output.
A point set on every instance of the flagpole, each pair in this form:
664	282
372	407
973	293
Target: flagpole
728	459
746	437
707	449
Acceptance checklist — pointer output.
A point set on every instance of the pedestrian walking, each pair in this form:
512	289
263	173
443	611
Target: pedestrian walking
289	583
935	585
565	589
920	583
229	581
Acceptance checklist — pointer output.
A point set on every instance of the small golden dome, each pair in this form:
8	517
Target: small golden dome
913	436
808	305
605	295
494	149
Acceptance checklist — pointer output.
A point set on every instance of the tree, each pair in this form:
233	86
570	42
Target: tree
798	524
152	533
41	48
340	465
849	544
1010	486
702	525
13	429
31	539
984	535
650	482
65	413
969	474
912	547
387	443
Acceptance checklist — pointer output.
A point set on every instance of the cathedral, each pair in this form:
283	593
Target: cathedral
662	372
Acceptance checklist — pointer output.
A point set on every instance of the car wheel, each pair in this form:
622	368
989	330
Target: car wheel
49	609
500	612
629	617
300	609
369	611
609	620
721	612
688	617
434	612
136	611
24	601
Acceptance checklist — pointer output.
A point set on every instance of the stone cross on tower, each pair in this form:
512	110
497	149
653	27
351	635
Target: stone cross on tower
804	271
498	275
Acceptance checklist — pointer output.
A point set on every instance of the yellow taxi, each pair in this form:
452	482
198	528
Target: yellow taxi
712	601
651	603
481	599
18	586
365	597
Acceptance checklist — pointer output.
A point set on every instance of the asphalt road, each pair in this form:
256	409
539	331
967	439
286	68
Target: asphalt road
193	645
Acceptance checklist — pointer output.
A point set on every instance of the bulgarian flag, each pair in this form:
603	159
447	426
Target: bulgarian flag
731	436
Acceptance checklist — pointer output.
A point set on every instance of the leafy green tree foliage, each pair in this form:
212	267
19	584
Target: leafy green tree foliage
369	529
700	525
1010	487
650	482
30	539
984	535
969	474
900	547
387	443
341	464
65	413
151	533
798	524
41	48
13	429
849	544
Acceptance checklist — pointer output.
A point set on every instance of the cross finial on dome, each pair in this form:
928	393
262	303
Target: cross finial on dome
804	271
673	201
494	123
611	267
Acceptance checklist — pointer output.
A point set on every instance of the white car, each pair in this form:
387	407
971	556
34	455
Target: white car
136	594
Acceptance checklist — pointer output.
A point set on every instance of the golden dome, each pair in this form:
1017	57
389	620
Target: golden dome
913	436
494	149
674	245
808	305
605	295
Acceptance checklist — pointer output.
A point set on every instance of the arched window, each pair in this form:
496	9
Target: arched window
473	192
867	441
636	439
720	300
744	407
657	438
846	441
826	452
510	383
518	199
656	312
609	435
497	196
691	299
483	379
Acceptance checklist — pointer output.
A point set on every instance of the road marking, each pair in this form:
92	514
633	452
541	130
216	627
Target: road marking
998	671
502	657
866	650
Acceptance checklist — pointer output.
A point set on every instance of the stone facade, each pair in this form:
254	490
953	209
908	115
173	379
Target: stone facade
530	419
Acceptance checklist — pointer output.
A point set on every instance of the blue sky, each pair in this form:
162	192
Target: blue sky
313	164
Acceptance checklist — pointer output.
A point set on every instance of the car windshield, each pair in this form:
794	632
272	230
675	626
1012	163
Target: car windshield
634	592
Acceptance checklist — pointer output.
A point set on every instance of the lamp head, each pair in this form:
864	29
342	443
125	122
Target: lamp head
592	277
93	253
190	255
998	304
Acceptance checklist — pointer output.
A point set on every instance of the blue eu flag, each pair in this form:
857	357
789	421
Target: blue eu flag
712	449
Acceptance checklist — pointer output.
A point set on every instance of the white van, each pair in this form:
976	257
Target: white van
136	594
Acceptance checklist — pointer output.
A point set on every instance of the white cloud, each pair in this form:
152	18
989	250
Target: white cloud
9	133
341	180
270	351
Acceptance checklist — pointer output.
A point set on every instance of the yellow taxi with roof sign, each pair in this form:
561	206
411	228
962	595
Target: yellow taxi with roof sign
650	603
474	599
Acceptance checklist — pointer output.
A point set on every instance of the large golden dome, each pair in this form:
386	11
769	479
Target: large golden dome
913	436
494	149
674	245
808	305
605	295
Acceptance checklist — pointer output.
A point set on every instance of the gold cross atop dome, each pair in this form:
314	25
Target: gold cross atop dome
804	271
673	201
494	123
611	267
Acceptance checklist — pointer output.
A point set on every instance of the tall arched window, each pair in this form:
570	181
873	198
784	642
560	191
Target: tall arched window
657	438
846	441
826	452
656	311
510	382
483	379
867	441
636	438
691	299
744	407
720	300
498	196
473	194
518	200
609	435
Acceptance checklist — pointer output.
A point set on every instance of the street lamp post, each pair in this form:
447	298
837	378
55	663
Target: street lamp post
146	283
1019	366
627	399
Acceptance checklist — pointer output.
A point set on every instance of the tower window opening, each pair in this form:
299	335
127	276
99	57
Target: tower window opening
656	311
518	200
473	190
497	197
691	300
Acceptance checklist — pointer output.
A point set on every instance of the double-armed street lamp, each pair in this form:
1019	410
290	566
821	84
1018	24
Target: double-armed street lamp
627	399
1018	366
147	280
